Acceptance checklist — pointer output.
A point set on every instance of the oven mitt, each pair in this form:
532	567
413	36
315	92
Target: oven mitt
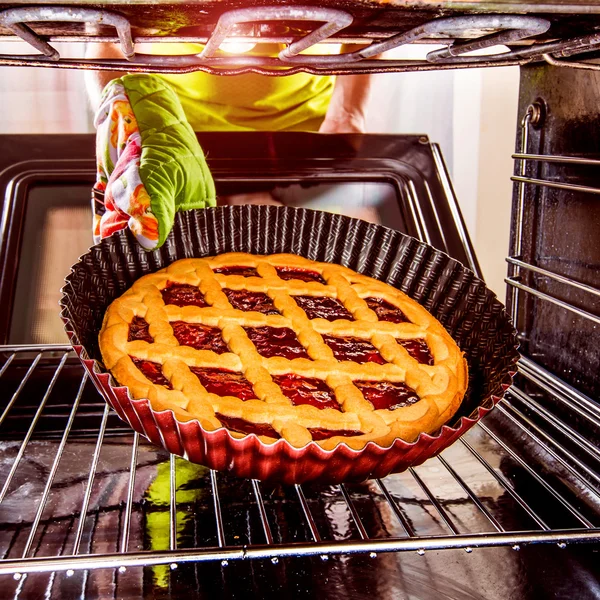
149	162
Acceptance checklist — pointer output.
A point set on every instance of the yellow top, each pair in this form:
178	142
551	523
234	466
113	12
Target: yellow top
249	102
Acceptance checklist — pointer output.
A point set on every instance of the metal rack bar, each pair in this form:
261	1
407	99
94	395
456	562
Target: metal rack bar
307	514
21	386
54	468
7	364
130	490
263	513
172	503
217	505
571	187
552	384
441	510
152	558
560	278
355	516
36	348
563	427
520	209
569	160
583	520
90	481
31	429
524	419
471	494
399	515
506	485
578	311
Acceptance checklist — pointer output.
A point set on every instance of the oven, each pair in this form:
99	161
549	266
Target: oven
89	509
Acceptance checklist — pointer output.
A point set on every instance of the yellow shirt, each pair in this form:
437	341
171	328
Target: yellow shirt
250	102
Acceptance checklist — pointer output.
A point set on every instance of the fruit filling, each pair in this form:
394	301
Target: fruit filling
323	307
224	382
201	337
246	301
386	311
386	394
242	426
306	390
419	350
152	371
324	434
353	349
276	341
287	273
237	270
139	330
183	294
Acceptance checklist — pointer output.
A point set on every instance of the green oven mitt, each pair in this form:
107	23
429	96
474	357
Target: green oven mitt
149	162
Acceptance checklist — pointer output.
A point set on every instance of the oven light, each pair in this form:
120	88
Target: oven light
236	46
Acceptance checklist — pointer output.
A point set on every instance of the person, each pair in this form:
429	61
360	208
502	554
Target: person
253	102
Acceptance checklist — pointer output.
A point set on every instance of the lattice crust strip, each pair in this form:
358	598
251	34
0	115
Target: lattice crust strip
282	346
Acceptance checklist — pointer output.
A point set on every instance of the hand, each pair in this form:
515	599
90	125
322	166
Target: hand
343	122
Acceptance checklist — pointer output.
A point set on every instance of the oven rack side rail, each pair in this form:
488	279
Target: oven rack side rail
582	522
523	39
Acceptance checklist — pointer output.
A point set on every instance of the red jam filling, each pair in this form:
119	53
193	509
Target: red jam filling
224	382
246	301
182	294
419	350
387	395
201	337
386	311
353	349
276	341
287	273
152	371
323	307
235	270
324	434
242	426
139	330
306	390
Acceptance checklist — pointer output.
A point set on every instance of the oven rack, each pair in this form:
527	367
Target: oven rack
527	38
560	503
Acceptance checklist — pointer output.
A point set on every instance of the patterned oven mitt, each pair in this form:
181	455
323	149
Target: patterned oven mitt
149	162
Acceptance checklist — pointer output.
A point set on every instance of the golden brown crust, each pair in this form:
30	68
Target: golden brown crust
440	387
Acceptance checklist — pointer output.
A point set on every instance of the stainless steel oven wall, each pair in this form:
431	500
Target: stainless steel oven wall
555	296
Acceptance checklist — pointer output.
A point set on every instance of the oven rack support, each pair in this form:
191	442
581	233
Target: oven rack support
581	523
517	31
517	266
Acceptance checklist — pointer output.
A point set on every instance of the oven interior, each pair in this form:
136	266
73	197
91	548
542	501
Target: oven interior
90	509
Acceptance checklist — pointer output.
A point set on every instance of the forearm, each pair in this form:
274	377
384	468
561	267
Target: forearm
95	81
347	109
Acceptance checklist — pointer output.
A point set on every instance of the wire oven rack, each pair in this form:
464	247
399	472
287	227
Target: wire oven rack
481	492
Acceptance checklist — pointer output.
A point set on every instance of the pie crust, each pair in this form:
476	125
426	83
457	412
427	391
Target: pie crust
284	347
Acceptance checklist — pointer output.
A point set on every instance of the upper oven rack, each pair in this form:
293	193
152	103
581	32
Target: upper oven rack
526	38
577	523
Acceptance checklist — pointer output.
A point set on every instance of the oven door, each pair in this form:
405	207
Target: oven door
398	181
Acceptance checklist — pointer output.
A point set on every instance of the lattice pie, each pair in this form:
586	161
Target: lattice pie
284	347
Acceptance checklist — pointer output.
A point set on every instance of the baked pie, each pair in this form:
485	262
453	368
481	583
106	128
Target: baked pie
284	347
